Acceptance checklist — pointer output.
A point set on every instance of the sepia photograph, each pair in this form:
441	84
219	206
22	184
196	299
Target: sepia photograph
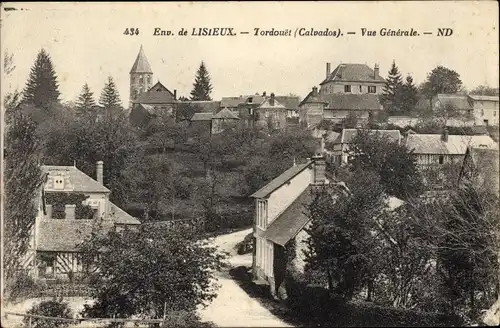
250	164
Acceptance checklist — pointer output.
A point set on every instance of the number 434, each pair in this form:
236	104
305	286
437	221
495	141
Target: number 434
131	31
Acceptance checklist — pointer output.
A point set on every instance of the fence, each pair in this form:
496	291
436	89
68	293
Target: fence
102	321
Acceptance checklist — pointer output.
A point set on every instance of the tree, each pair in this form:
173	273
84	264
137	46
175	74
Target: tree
202	86
391	95
49	308
23	179
409	94
110	98
484	90
351	121
392	160
441	80
150	272
85	103
42	89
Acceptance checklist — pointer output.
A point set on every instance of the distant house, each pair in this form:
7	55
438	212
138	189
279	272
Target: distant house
223	120
352	79
155	102
280	216
484	110
60	229
336	107
341	144
273	112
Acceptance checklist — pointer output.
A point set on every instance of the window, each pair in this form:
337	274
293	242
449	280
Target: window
140	78
494	113
261	214
482	112
58	182
347	88
372	89
485	122
361	89
441	159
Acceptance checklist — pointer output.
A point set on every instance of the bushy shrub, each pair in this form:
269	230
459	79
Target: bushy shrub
50	308
21	287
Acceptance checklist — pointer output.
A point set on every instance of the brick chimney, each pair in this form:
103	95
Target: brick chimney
70	211
444	136
319	166
315	91
263	94
328	69
175	94
271	101
376	72
48	211
100	172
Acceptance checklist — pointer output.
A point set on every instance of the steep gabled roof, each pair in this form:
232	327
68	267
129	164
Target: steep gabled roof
158	94
313	97
141	64
280	180
74	180
456	144
266	104
225	114
353	73
290	102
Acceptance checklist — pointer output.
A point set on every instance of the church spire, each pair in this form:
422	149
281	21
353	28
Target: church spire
141	64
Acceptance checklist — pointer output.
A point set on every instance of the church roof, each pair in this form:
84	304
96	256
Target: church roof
141	64
158	94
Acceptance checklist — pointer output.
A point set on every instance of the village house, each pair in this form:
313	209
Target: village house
439	156
223	120
352	79
280	217
340	146
336	107
64	221
485	109
477	110
273	112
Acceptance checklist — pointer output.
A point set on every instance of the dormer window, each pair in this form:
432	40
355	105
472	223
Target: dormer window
347	88
250	100
58	182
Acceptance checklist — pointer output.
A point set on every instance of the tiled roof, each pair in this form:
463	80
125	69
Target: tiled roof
266	104
346	101
141	64
353	73
65	235
280	180
119	216
291	221
456	144
208	106
348	134
149	108
158	94
485	98
459	101
202	117
225	114
236	101
312	97
74	179
290	102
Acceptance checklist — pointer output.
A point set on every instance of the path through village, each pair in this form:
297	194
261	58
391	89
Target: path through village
233	307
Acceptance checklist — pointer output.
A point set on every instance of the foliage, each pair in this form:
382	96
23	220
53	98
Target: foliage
50	308
59	199
351	121
393	162
484	90
23	179
150	271
392	90
110	98
41	88
202	86
20	287
409	95
340	239
85	103
441	80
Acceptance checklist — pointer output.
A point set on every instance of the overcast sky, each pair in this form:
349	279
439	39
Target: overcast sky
86	43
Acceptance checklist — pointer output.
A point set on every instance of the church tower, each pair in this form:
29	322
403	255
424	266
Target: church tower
141	76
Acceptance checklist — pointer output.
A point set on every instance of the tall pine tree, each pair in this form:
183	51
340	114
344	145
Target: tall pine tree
85	103
110	98
42	89
202	86
409	95
392	90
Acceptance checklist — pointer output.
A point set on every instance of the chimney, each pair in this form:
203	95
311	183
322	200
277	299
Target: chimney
100	172
175	94
70	211
48	211
319	166
328	69
315	91
271	101
444	137
376	72
263	94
